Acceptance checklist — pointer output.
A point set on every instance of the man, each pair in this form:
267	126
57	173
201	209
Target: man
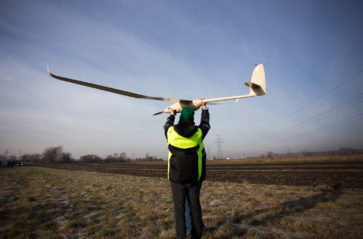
187	167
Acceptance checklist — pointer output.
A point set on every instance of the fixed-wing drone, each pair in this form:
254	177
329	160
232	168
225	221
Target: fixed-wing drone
257	87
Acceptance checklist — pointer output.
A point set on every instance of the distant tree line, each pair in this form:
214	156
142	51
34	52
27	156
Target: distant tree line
340	151
57	155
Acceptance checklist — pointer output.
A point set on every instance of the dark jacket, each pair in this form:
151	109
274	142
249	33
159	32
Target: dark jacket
187	128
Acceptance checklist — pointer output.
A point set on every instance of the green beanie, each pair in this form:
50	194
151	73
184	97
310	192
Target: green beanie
187	114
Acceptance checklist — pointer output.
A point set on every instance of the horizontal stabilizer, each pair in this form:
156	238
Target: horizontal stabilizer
257	89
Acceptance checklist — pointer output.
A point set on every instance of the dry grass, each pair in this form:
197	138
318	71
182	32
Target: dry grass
52	203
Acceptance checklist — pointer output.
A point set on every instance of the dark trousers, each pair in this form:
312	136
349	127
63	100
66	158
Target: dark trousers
180	192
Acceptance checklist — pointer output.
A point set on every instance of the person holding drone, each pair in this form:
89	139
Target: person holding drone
187	167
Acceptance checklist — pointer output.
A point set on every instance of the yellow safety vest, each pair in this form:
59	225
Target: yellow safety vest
183	144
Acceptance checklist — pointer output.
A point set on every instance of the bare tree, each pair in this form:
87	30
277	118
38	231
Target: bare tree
53	154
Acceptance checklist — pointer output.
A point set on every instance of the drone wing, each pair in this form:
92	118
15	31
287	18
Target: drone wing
257	86
113	90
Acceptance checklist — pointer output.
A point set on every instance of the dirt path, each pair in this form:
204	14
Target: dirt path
346	174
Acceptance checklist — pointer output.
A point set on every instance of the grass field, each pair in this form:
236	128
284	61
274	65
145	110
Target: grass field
53	203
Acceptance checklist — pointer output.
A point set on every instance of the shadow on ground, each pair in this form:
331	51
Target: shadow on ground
273	214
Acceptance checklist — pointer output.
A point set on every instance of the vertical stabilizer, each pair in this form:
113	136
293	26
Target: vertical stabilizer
258	81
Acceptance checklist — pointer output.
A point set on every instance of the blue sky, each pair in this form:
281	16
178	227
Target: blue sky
312	52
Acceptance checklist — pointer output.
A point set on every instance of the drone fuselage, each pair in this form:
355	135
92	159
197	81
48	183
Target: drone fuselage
177	107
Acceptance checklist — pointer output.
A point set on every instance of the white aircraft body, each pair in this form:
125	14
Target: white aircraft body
257	87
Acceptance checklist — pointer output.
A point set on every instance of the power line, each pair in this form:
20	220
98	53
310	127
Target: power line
352	101
334	126
321	95
347	103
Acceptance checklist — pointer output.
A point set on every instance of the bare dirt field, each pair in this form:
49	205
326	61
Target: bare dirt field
335	171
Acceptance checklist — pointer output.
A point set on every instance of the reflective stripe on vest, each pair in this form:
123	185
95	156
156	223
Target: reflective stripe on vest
181	142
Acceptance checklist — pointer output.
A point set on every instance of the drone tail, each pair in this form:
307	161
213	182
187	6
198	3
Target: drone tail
258	81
